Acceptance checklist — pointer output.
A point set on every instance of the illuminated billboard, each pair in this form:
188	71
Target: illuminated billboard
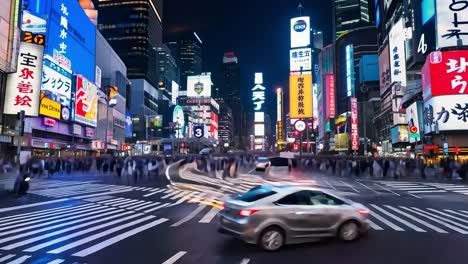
199	86
279	104
330	95
259	130
397	53
349	70
300	32
86	102
258	93
178	119
354	125
300	59
446	113
384	70
56	82
452	23
174	92
412	117
300	96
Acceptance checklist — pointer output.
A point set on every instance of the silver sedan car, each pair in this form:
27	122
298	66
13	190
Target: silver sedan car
272	216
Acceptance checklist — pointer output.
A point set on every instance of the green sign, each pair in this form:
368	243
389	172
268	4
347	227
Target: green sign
414	135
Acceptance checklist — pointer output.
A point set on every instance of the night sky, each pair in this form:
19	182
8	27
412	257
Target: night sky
256	30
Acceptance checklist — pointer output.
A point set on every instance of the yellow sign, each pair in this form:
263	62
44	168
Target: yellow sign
341	142
50	108
300	96
113	91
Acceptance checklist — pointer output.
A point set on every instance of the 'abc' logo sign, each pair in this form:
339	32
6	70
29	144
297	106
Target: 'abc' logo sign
300	26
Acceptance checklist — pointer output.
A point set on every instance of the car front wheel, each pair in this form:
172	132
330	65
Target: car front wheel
272	239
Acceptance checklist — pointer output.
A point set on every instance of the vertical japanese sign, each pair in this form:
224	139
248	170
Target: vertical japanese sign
445	73
300	59
258	98
354	124
86	102
23	86
349	70
330	95
397	53
300	96
445	113
452	23
384	70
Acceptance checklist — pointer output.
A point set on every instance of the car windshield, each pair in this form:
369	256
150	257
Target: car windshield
263	159
279	162
256	194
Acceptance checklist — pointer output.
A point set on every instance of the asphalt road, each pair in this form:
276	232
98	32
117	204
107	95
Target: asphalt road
169	219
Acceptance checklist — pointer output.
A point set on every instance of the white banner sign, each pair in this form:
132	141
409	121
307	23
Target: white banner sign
300	32
397	53
23	86
447	112
199	86
56	82
174	92
300	59
452	23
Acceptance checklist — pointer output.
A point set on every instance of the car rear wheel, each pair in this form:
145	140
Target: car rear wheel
272	239
349	231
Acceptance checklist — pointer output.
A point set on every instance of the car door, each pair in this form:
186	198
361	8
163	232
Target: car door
324	212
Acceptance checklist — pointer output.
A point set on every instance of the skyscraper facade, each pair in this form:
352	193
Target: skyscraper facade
350	14
188	47
168	71
231	93
317	39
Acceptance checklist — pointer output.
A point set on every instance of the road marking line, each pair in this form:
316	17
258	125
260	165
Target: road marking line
61	231
366	187
132	204
179	195
174	258
7	209
153	193
171	194
7	257
146	206
447	215
56	261
374	225
415	228
37	213
385	221
429	191
209	216
120	200
168	191
245	261
435	219
329	184
197	198
19	260
453	212
156	208
388	190
79	233
189	216
99	194
138	205
417	220
414	195
98	235
127	201
115	239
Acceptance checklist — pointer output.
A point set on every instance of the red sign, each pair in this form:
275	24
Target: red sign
330	99
445	73
89	132
354	124
413	129
49	122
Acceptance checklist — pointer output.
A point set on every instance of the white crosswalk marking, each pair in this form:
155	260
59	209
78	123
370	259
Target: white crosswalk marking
447	215
19	260
189	216
56	261
453	212
374	225
350	186
435	228
153	193
428	216
7	257
157	208
119	200
385	221
429	191
124	202
179	195
36	213
170	194
138	205
147	206
210	215
174	258
132	204
111	241
415	228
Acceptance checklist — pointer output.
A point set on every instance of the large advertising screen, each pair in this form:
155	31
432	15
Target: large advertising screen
23	86
349	70
174	92
86	102
384	70
300	96
330	95
300	59
447	112
445	73
300	32
354	125
397	53
71	36
452	23
199	86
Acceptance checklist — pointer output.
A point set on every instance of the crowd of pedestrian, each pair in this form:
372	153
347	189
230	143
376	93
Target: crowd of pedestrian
389	168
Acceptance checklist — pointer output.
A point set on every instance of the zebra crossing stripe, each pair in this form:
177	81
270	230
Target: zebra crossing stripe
209	216
170	194
146	206
174	258
98	235
36	213
85	231
7	257
123	202
56	261
100	194
156	208
179	195
434	218
7	209
168	191
385	221
189	216
137	205
429	191
119	200
132	204
153	193
453	212
415	228
374	225
441	218
62	230
113	240
447	215
19	260
435	228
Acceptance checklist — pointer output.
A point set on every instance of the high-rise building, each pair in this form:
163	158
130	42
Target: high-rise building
187	50
134	30
225	125
350	14
317	39
168	71
231	93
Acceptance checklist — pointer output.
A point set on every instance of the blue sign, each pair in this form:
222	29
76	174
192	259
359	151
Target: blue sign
128	125
349	71
71	36
300	26
198	131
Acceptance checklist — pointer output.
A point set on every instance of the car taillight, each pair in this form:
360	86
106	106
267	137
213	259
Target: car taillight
363	212
247	212
218	204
